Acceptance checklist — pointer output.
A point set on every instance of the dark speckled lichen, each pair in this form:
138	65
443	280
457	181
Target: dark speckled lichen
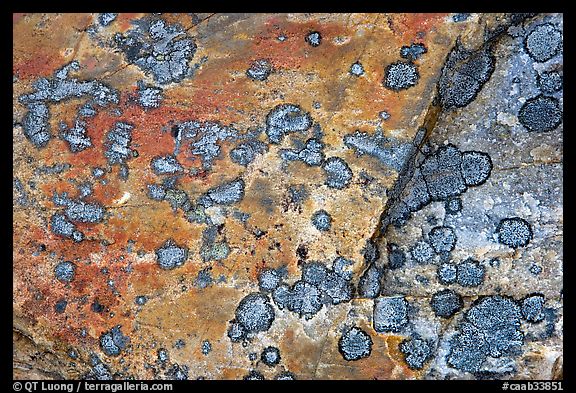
357	69
549	82
285	376
149	97
464	74
65	271
224	194
166	165
314	38
491	328
533	307
416	352
322	220
370	282
304	299
475	167
543	42
270	356
269	280
514	232
396	257
117	143
355	344
254	375
447	273
60	88
442	239
446	303
311	154
541	114
246	152
413	52
400	76
470	273
422	252
113	341
390	314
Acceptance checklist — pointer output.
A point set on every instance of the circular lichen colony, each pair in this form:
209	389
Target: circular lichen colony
255	313
446	303
541	114
470	273
270	356
170	255
322	220
476	167
400	76
443	239
544	42
65	271
514	232
416	352
355	344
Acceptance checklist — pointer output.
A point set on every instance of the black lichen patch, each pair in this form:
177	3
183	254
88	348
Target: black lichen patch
396	257
260	70
416	352
343	267
113	341
338	173
270	356
281	295
335	288
224	194
314	38
370	282
549	82
255	313
159	49
476	167
446	303
390	314
464	74
400	76
541	114
246	152
322	220
236	331
442	239
355	344
447	273
470	273
177	372
514	232
413	52
170	255
388	151
65	271
461	17
491	328
416	196
371	252
311	154
422	252
533	307
543	42
284	119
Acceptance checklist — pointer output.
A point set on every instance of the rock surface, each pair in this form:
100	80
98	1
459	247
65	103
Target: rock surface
194	189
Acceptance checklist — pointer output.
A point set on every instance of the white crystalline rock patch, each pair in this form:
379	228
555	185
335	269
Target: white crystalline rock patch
123	199
508	119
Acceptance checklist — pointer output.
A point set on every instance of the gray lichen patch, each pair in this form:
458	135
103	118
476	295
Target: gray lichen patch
157	48
59	88
224	194
170	255
284	119
388	151
338	173
254	313
166	165
400	76
355	344
149	97
260	70
113	341
390	314
464	74
312	154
